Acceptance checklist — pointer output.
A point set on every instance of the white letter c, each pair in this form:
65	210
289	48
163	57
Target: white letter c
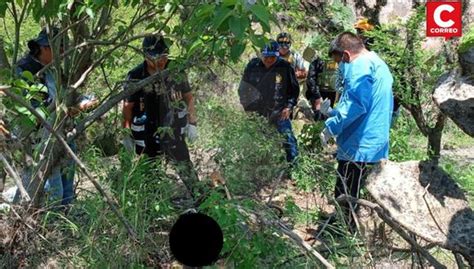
437	16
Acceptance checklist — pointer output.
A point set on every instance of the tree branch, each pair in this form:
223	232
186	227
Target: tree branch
112	203
286	231
3	56
395	226
102	109
15	177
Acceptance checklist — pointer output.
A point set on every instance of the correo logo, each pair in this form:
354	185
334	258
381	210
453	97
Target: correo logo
443	19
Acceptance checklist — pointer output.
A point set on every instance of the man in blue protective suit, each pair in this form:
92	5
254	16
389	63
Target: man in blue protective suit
269	87
361	120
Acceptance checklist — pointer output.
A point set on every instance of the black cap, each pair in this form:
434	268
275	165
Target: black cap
154	46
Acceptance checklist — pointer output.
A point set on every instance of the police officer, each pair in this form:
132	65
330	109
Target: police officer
325	79
291	56
269	87
161	114
60	184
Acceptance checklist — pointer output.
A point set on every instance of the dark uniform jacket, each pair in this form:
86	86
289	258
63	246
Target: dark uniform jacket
315	68
159	113
268	91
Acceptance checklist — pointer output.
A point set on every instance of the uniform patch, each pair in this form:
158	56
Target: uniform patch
278	78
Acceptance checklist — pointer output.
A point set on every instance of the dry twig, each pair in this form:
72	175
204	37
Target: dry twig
395	226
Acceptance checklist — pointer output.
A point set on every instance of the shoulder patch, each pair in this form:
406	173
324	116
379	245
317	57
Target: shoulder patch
278	78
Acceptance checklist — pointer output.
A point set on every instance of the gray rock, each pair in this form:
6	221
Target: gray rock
9	194
426	201
466	60
455	97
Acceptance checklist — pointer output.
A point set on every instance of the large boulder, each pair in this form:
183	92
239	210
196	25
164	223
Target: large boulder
426	201
466	60
455	97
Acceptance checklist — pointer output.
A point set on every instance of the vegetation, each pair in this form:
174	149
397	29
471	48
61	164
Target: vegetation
214	40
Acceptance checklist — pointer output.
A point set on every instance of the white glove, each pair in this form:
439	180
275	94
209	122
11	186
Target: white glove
326	107
192	132
325	135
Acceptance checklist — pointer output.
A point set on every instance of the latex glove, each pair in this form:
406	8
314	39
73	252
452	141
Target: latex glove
325	135
326	107
128	143
192	132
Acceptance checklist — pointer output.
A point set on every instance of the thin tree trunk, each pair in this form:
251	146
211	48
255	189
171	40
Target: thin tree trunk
3	56
434	138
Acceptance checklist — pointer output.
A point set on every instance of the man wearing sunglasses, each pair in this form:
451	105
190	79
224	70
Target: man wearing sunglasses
294	58
161	114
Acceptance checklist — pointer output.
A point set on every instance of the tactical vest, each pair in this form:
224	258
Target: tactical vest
328	77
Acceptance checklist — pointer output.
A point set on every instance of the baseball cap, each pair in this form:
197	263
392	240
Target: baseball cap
271	49
154	46
43	39
364	25
284	39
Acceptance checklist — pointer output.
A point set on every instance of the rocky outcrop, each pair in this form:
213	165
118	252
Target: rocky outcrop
455	97
466	59
426	201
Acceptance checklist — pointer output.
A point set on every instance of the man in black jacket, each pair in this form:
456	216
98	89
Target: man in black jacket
161	114
324	81
269	88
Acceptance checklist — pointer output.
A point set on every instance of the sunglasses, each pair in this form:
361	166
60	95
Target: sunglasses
284	44
157	57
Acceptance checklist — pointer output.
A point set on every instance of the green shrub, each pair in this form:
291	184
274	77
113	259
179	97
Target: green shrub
249	150
467	41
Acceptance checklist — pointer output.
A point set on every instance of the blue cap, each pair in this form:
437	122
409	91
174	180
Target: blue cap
271	49
42	39
154	46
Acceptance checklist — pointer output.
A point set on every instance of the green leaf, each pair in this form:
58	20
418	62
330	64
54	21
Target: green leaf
90	12
221	15
257	40
3	8
20	83
42	111
28	76
26	122
195	46
229	3
22	110
238	26
236	51
205	11
80	10
99	3
262	15
260	12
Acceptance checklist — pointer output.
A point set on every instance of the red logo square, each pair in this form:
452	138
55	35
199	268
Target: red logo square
444	18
